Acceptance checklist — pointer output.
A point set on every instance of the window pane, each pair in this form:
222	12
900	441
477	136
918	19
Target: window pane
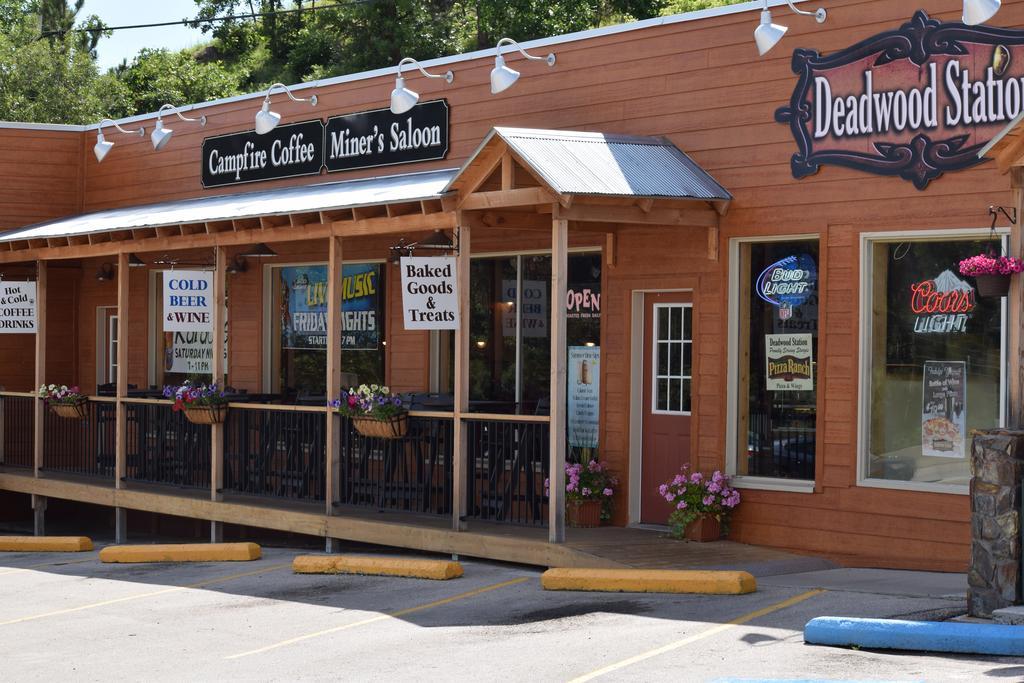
662	403
662	368
675	402
676	326
687	359
675	359
686	395
935	361
688	322
663	315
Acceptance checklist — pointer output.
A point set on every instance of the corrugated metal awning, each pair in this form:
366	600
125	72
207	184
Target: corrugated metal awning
333	196
578	163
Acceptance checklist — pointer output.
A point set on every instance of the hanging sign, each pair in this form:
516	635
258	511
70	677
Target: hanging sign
18	307
914	102
380	138
430	299
944	409
188	301
789	362
942	305
584	396
304	307
287	151
788	283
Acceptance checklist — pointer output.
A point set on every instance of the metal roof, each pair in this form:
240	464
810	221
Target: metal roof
346	194
572	162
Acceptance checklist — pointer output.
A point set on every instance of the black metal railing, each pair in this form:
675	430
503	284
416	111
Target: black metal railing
507	465
81	446
783	448
275	453
163	447
412	473
17	430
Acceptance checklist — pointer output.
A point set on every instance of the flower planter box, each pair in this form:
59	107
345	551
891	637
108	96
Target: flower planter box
394	427
703	530
583	514
70	411
993	285
206	415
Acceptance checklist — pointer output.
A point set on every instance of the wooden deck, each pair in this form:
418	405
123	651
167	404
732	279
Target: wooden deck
611	547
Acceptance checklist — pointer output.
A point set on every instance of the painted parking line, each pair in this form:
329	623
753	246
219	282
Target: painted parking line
19	570
382	617
151	594
696	637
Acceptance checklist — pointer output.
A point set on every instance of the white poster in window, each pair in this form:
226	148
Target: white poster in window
192	352
535	308
430	298
584	396
944	409
17	307
789	361
188	301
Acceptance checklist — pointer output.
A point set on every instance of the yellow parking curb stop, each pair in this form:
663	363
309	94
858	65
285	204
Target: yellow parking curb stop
649	581
45	544
182	552
438	570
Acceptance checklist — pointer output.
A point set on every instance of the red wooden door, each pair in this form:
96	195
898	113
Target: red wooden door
668	373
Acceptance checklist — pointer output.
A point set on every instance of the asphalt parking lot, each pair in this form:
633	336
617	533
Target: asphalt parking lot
70	616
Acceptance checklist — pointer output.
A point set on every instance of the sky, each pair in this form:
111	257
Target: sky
126	44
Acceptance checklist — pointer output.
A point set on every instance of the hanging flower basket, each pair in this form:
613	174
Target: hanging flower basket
703	530
993	285
583	514
393	427
206	415
70	411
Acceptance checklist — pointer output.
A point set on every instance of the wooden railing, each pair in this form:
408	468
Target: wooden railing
16	429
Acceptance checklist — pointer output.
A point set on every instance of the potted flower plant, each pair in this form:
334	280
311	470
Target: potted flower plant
589	488
374	411
701	505
203	404
992	273
64	401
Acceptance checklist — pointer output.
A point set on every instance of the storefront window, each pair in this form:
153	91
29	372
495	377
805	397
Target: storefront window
299	337
935	360
777	365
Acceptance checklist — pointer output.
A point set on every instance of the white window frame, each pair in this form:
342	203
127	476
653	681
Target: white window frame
868	239
653	398
113	339
733	378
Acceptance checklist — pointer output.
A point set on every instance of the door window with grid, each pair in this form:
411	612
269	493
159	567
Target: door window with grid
673	358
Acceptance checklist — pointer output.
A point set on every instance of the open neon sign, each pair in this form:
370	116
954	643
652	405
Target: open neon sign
788	283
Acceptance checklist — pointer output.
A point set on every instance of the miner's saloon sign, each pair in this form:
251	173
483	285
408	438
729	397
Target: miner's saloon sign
363	140
913	102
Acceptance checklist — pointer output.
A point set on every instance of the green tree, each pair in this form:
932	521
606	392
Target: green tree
57	18
680	6
158	77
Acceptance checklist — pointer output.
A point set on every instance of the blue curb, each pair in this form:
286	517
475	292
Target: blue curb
930	636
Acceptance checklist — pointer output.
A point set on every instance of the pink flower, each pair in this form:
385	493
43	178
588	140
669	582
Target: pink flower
708	500
714	487
663	489
696	478
681	505
669	497
608	492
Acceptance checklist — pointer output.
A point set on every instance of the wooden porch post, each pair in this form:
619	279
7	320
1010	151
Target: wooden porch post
120	409
559	266
460	456
40	406
218	371
334	298
1015	319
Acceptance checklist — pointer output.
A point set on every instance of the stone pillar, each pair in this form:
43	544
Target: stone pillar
997	466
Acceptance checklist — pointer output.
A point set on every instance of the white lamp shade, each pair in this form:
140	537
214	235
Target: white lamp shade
101	147
979	11
266	120
502	77
160	135
402	99
767	34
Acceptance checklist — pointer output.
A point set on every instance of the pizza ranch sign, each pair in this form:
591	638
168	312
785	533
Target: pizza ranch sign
913	103
942	305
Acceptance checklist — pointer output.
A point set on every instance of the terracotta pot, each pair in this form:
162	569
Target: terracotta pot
71	411
703	530
394	427
993	285
206	415
583	514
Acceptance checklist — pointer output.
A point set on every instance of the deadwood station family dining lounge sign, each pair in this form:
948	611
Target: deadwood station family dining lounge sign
363	140
913	102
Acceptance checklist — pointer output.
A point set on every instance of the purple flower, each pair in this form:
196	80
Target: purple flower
608	492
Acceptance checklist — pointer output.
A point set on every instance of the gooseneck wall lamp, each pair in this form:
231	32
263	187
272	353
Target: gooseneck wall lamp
980	11
502	77
160	135
767	34
103	145
403	99
267	120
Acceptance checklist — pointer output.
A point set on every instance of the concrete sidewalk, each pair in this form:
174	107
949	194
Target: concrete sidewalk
877	582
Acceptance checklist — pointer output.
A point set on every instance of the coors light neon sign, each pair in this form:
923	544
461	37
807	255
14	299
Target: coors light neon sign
915	102
942	305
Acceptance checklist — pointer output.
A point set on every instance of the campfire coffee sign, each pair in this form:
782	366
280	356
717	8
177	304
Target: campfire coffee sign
363	140
915	102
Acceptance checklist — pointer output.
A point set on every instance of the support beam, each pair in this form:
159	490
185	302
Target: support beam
497	199
702	218
559	269
335	269
39	515
218	372
1015	316
460	458
40	407
216	532
121	409
120	525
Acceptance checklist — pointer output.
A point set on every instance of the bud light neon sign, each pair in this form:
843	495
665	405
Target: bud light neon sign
788	283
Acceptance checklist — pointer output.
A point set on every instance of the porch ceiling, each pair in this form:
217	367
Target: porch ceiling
1007	148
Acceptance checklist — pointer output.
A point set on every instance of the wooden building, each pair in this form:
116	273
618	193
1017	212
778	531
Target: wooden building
758	252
